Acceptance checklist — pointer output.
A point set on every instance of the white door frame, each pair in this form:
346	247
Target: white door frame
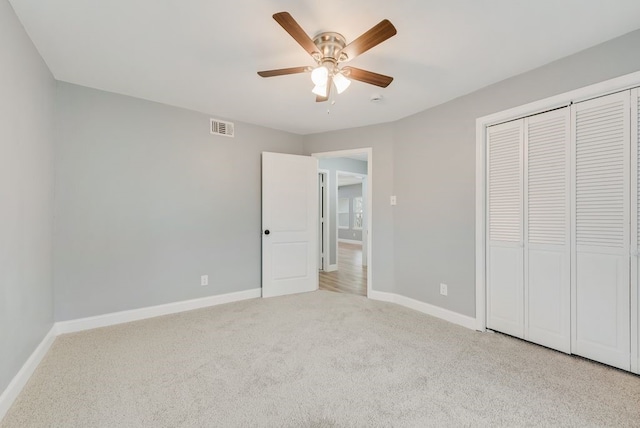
621	83
369	205
327	218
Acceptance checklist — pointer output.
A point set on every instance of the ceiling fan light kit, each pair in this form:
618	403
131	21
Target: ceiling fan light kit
329	49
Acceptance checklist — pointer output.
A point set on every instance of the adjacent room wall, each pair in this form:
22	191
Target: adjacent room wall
147	200
350	192
26	194
380	139
434	172
333	165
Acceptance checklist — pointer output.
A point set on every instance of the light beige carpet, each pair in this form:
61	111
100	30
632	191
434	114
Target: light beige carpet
318	359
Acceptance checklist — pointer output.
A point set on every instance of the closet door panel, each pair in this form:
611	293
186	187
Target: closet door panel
548	311
601	303
505	298
505	292
603	281
547	232
635	230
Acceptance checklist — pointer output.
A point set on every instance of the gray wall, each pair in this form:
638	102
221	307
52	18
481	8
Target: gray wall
333	165
434	172
351	191
26	144
147	201
380	139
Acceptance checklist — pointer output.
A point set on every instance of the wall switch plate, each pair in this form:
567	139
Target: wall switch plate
443	289
204	280
393	200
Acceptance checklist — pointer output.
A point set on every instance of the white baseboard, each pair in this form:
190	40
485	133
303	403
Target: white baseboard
426	308
22	377
153	311
332	268
382	296
350	241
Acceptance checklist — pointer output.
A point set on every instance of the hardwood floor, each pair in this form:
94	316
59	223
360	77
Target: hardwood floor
351	276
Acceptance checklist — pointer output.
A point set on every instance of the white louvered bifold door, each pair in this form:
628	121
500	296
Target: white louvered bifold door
600	280
635	230
547	266
505	298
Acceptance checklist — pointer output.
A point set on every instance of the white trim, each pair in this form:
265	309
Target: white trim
426	308
22	377
592	91
369	212
350	241
115	318
382	296
332	268
481	209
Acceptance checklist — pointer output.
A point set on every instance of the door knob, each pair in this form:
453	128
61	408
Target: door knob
266	232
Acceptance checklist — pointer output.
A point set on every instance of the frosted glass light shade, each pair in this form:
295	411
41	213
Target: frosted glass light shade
320	90
342	83
319	75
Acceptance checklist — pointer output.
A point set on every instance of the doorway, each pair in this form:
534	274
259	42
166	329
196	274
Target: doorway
345	220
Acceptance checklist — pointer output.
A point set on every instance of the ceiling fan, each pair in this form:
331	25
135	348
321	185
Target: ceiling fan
329	49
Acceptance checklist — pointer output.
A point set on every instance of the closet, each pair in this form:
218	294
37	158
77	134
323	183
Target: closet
563	230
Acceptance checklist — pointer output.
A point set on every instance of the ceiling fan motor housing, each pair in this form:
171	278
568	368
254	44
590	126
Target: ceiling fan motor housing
330	45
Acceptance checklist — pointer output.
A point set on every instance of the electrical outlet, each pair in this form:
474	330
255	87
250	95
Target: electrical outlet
204	280
393	200
443	289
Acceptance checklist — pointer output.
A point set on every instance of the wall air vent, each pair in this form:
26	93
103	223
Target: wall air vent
220	127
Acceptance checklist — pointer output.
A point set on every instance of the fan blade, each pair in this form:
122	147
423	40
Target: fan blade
283	71
368	77
376	35
291	26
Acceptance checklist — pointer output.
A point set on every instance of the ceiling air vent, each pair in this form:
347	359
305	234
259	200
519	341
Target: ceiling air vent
220	127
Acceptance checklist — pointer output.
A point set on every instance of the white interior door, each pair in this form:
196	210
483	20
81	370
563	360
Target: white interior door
547	265
635	230
289	224
600	280
505	294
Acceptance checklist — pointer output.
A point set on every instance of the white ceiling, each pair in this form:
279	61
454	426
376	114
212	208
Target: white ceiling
204	54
